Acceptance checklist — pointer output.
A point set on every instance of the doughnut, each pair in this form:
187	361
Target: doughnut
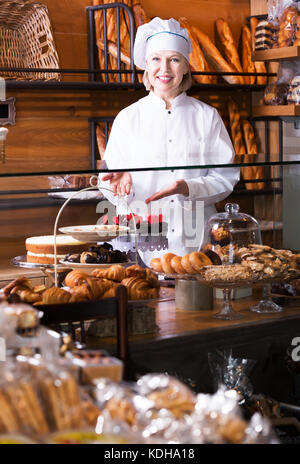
198	260
166	263
176	265
185	262
213	256
155	263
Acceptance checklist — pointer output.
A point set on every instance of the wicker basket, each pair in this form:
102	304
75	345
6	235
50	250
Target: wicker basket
26	40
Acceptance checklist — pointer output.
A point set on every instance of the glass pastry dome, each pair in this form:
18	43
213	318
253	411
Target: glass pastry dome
225	233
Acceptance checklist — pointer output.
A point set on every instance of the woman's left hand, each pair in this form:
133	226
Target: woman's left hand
178	187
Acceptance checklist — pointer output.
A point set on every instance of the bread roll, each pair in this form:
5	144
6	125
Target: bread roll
236	131
248	65
228	43
197	61
214	57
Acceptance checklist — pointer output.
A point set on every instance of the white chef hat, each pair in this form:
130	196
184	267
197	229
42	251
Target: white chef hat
160	34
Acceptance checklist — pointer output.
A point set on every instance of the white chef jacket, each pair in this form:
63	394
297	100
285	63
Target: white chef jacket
191	133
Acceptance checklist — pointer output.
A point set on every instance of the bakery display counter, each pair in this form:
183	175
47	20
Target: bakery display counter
183	339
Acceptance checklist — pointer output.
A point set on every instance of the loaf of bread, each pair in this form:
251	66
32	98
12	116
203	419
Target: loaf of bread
229	47
215	59
248	65
100	136
250	138
140	16
288	26
197	61
251	172
236	130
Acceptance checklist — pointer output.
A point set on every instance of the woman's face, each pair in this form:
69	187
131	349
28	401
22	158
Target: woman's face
165	72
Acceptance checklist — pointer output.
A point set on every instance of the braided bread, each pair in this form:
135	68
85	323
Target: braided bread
236	132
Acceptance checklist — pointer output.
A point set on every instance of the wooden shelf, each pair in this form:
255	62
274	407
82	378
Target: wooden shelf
275	54
276	110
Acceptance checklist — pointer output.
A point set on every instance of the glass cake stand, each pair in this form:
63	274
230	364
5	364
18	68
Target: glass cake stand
227	311
266	305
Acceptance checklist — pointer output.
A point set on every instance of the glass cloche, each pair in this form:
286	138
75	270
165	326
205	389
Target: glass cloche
225	233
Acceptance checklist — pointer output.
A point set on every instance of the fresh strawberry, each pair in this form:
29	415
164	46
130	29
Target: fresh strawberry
160	218
105	219
116	220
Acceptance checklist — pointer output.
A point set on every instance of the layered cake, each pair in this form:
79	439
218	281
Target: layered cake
40	249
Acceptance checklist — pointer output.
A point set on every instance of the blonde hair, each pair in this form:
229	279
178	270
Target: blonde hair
183	87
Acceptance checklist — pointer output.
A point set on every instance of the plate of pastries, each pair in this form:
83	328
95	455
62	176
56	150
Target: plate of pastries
96	256
187	266
79	286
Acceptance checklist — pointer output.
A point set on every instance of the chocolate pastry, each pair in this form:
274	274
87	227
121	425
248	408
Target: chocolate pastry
88	257
73	257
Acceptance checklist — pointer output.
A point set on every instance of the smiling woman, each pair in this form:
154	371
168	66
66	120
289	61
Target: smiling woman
166	72
168	128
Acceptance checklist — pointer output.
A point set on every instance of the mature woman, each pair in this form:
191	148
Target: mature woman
169	129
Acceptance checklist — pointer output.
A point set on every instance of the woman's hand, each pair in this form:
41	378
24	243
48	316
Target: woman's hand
120	182
178	187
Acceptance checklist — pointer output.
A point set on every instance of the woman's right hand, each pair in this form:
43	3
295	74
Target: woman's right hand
120	182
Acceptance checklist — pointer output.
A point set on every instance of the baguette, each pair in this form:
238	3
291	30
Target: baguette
139	13
249	138
113	50
251	172
214	57
100	135
248	65
229	46
253	24
236	132
197	61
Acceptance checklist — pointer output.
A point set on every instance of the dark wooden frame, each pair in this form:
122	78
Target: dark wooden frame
56	314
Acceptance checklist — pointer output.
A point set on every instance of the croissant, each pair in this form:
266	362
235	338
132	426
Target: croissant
139	289
135	271
115	272
28	296
111	292
20	282
75	277
55	295
152	278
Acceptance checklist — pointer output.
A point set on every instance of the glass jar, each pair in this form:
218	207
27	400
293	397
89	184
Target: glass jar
225	233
